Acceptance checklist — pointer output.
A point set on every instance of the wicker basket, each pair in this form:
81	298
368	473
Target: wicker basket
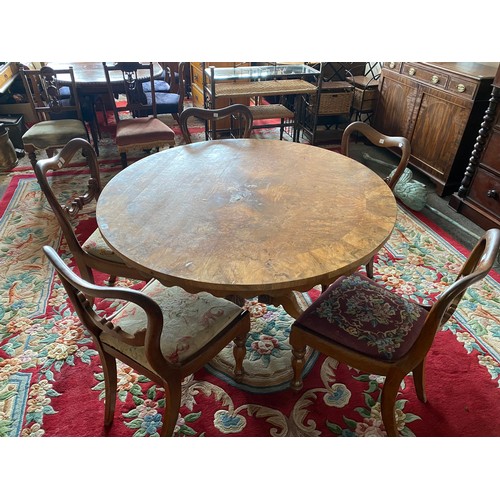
335	98
364	102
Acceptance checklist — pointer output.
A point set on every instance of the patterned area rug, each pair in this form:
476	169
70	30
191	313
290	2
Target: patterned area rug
51	381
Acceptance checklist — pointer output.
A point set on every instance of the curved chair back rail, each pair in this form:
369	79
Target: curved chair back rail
380	140
241	114
94	253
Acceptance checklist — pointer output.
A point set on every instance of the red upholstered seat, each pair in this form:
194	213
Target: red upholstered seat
361	315
147	131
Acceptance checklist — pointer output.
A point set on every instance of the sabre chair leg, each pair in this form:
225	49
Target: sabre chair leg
173	392
419	381
110	382
388	404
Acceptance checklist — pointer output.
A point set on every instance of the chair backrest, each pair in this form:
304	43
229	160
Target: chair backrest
241	119
82	294
124	78
65	212
475	268
44	92
381	140
175	75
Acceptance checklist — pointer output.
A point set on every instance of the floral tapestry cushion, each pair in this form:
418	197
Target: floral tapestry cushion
359	314
96	246
190	321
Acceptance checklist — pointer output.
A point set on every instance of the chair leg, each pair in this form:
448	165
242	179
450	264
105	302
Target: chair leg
419	381
123	157
388	403
110	382
111	280
31	155
239	351
173	392
298	353
369	268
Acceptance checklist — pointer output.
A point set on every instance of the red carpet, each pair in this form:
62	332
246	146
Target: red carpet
51	380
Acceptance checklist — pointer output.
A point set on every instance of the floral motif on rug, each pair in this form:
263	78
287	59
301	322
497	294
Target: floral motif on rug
51	380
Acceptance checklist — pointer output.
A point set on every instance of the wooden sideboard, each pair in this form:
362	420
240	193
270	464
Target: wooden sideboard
478	197
439	107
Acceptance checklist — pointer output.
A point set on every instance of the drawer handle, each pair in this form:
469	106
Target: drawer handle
392	65
435	79
492	193
411	71
461	87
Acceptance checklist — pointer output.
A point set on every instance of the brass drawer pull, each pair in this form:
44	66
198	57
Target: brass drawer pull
491	193
435	79
411	71
461	87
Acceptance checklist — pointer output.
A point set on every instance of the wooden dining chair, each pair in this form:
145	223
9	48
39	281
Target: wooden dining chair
59	119
380	140
165	333
359	322
241	119
137	123
94	253
172	100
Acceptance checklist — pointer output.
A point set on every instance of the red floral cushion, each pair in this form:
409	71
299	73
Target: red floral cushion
361	315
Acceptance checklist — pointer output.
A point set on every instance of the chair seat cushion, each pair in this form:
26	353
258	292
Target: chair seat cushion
145	131
53	133
359	314
190	321
160	86
95	245
165	102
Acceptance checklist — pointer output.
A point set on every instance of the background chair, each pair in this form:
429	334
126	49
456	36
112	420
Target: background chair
137	124
365	79
169	101
94	253
384	141
164	333
359	322
50	133
241	119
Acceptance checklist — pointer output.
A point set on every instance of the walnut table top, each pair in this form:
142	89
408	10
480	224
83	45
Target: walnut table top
246	217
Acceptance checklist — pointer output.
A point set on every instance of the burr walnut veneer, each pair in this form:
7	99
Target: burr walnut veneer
244	217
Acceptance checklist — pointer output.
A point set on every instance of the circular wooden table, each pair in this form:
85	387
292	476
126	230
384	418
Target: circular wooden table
247	217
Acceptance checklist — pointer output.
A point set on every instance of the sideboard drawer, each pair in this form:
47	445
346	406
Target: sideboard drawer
485	191
394	66
465	88
424	75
